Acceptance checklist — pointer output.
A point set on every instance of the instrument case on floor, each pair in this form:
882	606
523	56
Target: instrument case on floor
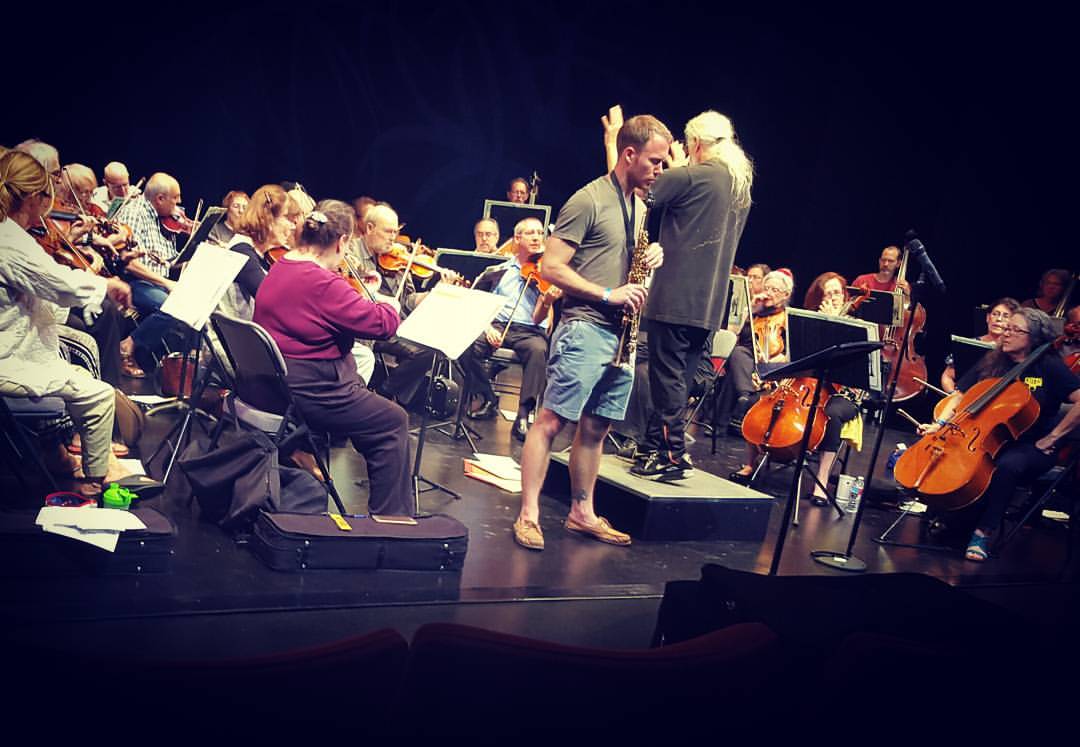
27	550
302	542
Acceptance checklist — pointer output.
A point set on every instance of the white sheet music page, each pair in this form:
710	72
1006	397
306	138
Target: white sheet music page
450	318
202	284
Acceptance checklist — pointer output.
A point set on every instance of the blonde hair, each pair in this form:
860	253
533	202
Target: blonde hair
21	175
717	137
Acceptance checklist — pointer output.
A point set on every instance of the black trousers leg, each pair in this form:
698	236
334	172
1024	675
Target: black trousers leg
107	330
674	352
413	362
1015	463
531	346
333	399
471	363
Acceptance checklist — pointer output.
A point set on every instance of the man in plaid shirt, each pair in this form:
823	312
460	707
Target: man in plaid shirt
148	275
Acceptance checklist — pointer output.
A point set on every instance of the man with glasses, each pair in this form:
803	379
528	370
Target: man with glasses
521	325
381	227
486	233
117	185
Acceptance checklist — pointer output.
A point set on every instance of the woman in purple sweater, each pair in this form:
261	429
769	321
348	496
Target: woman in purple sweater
314	315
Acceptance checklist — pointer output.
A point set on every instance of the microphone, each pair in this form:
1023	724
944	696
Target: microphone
918	251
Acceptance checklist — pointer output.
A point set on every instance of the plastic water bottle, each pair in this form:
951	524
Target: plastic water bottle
856	493
895	457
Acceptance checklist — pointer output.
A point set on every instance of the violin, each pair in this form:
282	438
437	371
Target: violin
914	368
951	468
777	421
531	272
178	223
421	262
52	239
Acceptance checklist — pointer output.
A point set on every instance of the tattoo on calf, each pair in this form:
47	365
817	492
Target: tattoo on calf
579	495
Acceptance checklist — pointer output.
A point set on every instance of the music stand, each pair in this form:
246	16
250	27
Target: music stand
197	293
881	307
198	236
966	352
469	265
447	322
820	365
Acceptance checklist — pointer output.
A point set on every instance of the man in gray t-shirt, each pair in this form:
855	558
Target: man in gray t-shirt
588	257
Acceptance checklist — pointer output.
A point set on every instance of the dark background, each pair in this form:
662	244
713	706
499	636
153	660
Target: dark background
862	123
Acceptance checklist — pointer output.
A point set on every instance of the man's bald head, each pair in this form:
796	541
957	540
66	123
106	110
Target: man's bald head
163	192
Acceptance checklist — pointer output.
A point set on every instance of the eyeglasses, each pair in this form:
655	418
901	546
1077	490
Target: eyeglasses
1015	331
1000	315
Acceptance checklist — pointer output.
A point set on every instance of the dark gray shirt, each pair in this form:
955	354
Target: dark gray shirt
593	222
700	231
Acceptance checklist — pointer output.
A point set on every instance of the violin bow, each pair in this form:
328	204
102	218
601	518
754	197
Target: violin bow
408	268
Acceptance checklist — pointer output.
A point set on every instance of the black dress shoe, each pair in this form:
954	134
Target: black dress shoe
486	411
819	500
521	429
740	478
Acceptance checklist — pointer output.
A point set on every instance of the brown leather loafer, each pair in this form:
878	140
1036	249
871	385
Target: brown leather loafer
528	535
601	530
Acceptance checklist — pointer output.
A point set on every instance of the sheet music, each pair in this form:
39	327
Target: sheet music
208	275
450	318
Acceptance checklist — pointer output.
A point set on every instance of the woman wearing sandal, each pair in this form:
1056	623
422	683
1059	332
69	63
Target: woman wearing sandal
1032	454
35	293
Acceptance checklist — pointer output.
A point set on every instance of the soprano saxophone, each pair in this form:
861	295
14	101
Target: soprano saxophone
639	275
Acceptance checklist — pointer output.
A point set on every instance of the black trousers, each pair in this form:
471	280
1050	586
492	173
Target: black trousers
839	410
1015	463
332	399
674	353
531	346
413	363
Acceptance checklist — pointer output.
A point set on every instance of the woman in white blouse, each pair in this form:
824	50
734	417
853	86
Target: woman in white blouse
35	294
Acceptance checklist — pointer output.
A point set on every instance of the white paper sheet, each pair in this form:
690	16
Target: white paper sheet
202	284
498	465
89	518
107	541
149	399
450	318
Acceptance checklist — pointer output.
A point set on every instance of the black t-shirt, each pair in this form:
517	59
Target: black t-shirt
700	231
1051	384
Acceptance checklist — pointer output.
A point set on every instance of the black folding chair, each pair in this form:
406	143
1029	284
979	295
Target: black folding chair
260	398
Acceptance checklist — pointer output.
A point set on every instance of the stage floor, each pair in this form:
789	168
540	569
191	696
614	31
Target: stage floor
219	599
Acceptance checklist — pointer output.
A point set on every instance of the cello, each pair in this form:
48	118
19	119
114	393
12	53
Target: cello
914	369
951	468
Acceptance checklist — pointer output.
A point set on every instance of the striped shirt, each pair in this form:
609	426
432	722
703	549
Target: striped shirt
146	227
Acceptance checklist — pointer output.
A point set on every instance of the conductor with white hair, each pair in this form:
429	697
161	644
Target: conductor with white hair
703	202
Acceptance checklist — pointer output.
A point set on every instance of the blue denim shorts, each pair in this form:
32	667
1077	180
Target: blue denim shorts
580	378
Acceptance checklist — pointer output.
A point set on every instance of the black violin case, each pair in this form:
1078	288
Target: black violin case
304	542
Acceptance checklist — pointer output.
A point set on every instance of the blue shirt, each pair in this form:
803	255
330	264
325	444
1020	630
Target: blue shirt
509	286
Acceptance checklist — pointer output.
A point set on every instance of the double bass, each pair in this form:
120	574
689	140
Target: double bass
913	371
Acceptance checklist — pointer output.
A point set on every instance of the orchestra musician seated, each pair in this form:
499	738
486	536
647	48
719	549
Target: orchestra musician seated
1053	286
34	293
117	185
885	279
412	361
762	340
314	315
521	325
486	233
1034	451
235	203
828	295
763	344
997	318
518	191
